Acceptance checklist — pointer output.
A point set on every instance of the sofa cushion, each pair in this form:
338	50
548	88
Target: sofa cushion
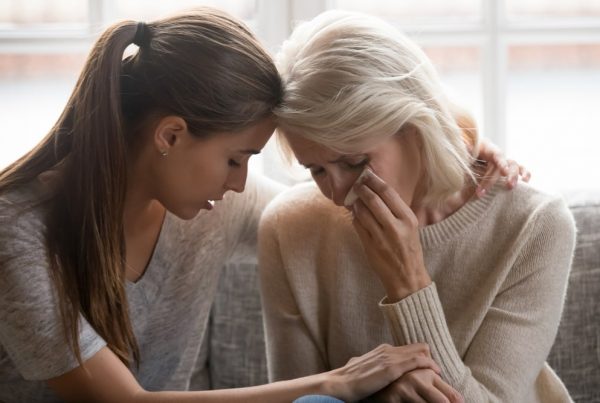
575	355
236	342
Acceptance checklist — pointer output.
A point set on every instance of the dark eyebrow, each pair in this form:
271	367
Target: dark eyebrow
250	151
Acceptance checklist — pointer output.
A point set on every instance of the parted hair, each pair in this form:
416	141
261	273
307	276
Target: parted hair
352	79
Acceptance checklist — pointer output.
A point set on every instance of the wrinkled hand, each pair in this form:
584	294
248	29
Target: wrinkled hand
491	166
371	372
420	386
389	232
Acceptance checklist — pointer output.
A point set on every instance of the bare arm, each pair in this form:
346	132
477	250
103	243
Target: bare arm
104	378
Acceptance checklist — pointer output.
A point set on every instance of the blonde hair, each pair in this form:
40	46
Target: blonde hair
351	80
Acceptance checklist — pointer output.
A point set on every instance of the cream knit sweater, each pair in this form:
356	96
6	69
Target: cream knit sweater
499	264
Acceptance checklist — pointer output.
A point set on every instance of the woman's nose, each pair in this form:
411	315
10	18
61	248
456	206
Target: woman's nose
237	179
337	191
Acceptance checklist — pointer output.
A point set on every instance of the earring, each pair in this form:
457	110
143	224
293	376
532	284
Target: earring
164	153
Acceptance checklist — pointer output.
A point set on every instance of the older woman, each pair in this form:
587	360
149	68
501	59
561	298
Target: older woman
417	258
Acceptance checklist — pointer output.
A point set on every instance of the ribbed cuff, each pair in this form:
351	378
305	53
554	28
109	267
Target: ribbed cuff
419	318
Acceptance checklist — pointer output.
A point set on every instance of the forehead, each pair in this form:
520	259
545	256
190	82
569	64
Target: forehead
254	136
307	151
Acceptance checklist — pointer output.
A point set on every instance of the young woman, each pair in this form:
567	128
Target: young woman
108	266
110	247
418	258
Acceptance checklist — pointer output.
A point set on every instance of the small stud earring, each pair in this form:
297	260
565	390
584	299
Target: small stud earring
164	153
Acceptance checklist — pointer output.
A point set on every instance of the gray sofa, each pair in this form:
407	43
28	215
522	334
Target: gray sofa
235	336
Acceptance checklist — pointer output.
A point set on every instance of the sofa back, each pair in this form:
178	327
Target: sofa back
575	355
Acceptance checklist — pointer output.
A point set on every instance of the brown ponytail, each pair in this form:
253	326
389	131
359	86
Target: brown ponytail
203	66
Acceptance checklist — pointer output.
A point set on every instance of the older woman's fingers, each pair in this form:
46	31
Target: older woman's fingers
389	196
368	223
377	206
433	394
449	392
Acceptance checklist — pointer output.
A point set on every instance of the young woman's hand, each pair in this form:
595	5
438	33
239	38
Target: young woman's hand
371	372
418	386
491	165
389	232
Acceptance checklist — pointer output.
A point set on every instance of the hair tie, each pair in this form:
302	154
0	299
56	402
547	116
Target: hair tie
140	37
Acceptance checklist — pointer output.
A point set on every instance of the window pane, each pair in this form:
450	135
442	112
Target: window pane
31	13
553	124
149	10
460	71
33	92
416	11
553	8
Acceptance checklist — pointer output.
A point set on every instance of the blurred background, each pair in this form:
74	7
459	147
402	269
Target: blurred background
528	70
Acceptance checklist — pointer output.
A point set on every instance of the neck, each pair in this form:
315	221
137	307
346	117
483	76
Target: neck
141	209
429	215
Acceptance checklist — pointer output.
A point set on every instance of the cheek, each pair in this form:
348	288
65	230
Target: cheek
323	186
201	173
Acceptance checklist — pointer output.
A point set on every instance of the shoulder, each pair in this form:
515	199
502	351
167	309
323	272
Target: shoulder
301	205
22	216
535	209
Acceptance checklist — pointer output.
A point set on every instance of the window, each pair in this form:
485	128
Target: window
528	70
43	45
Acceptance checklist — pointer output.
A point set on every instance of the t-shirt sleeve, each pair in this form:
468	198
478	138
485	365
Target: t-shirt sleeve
31	330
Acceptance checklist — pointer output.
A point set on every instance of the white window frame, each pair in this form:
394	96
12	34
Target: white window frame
493	34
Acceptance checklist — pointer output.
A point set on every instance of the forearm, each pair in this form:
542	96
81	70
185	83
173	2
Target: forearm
284	391
106	379
419	318
501	362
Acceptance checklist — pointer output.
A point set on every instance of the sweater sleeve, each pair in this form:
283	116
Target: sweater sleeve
292	351
512	343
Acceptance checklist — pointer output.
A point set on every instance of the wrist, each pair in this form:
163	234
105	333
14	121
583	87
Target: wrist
402	289
330	384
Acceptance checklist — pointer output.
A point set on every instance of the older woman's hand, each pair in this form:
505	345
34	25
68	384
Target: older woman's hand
420	386
389	232
491	166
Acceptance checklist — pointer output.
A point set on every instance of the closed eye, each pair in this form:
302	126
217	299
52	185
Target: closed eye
234	163
317	171
357	165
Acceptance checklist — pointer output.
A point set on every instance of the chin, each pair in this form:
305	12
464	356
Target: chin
187	214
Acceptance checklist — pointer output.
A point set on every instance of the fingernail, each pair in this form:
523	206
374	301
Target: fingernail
366	174
481	192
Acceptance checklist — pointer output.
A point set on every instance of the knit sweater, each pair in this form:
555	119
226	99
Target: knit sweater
499	267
